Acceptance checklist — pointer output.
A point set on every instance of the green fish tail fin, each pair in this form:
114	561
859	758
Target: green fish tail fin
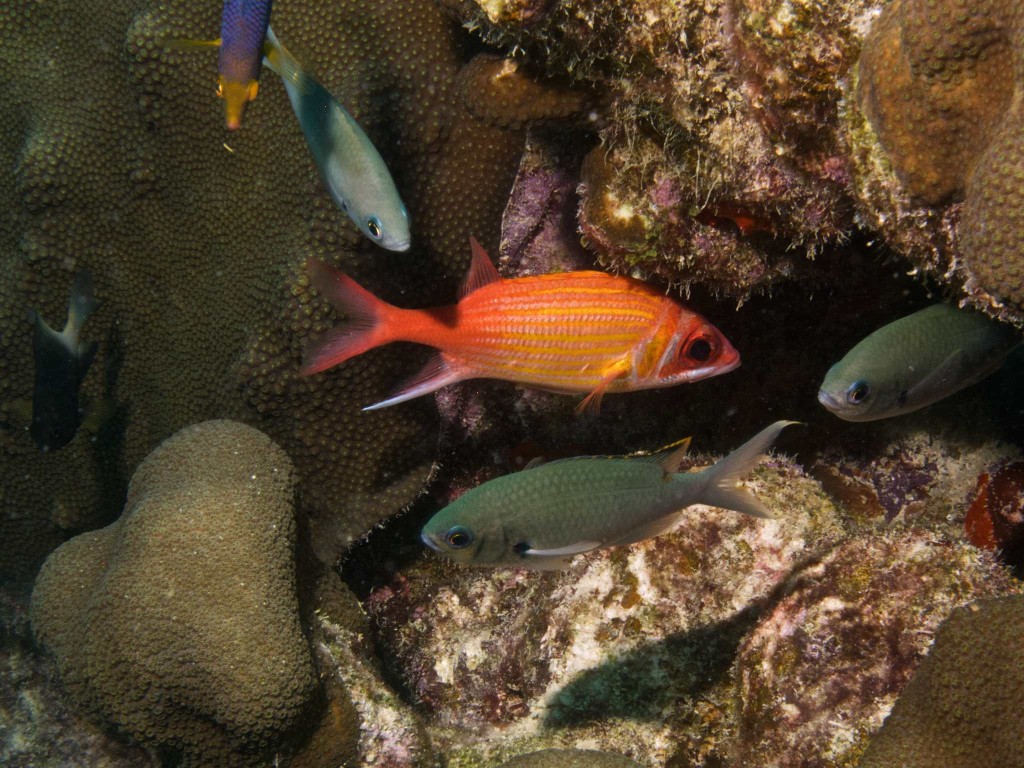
721	481
281	62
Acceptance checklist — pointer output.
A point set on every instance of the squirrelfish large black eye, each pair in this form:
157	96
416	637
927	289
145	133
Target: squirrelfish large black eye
858	392
699	349
373	227
459	537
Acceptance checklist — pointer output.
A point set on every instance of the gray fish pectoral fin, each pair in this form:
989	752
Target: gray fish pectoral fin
941	377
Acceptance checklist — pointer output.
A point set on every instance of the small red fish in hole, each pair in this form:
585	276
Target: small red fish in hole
570	332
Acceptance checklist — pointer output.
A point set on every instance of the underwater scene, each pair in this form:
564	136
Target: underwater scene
512	383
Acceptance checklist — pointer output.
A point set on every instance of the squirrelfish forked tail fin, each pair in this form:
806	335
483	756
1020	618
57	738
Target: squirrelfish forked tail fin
722	488
365	325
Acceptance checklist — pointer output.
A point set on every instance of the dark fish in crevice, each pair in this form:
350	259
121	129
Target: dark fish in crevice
61	362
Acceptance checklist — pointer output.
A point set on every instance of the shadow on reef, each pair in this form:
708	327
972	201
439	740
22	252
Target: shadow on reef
636	685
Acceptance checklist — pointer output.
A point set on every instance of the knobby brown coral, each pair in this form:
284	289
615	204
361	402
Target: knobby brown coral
962	706
179	624
196	241
937	79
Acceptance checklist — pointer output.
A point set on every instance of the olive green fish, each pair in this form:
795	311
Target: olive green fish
543	516
915	361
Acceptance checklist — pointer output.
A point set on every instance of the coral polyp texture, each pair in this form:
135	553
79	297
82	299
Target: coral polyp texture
940	83
962	706
196	240
178	625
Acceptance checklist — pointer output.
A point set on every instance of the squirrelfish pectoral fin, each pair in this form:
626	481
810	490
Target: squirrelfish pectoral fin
481	270
435	374
592	402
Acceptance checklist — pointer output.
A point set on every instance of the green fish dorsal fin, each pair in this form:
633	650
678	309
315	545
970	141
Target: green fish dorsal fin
671	456
481	270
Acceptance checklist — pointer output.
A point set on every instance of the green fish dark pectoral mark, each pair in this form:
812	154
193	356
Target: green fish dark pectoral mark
61	362
541	517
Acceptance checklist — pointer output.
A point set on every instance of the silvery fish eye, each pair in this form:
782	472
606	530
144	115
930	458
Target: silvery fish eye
459	537
858	392
373	226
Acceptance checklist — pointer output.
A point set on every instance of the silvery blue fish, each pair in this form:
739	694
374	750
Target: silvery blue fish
915	361
61	362
351	167
543	516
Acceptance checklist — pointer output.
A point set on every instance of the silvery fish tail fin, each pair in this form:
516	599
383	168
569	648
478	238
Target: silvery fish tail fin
722	487
281	61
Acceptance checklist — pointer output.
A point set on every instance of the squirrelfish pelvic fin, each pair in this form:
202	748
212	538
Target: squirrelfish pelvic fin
61	362
571	332
540	518
350	166
914	362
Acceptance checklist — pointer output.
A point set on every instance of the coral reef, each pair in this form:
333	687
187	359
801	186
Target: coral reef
617	650
823	668
962	706
569	758
722	158
937	82
196	245
178	624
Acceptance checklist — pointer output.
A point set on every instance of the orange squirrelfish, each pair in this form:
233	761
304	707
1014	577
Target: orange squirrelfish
587	332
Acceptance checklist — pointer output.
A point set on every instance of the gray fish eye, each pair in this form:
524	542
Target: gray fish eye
459	537
858	392
373	226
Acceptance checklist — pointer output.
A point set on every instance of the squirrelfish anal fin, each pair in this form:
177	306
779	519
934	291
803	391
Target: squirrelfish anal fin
481	270
437	373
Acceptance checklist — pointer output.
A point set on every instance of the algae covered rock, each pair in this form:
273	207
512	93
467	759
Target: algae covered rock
569	758
963	705
179	624
823	668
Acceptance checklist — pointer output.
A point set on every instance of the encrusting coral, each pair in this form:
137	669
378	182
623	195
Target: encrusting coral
178	625
196	242
940	82
962	706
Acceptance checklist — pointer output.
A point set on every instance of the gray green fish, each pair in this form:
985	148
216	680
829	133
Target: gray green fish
61	362
351	167
543	516
915	361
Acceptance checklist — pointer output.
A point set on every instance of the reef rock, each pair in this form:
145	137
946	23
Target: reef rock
824	667
963	705
179	624
569	758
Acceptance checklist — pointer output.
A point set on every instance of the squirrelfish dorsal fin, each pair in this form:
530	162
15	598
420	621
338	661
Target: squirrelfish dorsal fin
481	270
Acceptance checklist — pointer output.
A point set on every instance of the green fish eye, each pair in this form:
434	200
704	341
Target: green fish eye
373	227
459	537
858	392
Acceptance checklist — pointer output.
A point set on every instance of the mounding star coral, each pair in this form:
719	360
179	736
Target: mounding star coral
196	241
178	625
962	706
940	83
